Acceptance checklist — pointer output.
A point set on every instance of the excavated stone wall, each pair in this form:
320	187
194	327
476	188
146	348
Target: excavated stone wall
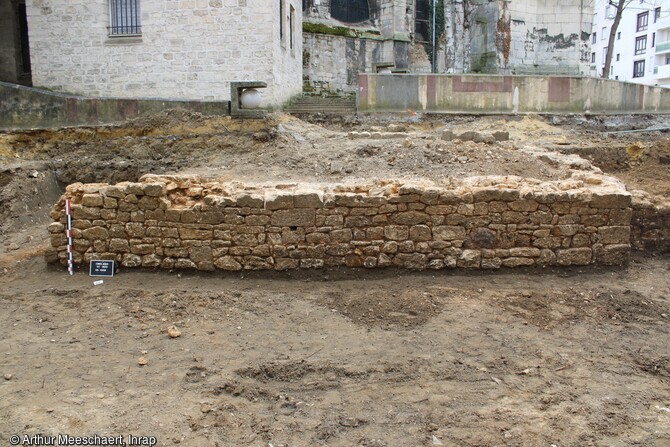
474	223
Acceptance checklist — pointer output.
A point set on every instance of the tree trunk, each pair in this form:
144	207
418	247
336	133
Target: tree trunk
610	44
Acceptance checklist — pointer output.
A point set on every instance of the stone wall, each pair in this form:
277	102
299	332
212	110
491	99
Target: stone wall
650	224
188	49
29	108
479	222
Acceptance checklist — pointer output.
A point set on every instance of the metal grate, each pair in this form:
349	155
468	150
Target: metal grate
124	18
350	11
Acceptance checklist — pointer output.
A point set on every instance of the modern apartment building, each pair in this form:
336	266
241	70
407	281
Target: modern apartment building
641	51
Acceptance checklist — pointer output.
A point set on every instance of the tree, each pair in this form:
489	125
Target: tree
620	7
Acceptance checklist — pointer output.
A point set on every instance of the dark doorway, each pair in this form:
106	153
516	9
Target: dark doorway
24	69
15	64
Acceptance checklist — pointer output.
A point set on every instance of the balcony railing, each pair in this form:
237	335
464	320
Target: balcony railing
662	47
662	71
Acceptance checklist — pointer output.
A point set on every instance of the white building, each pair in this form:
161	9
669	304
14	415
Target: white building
183	49
641	52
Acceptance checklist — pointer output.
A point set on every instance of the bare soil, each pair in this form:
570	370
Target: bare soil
565	357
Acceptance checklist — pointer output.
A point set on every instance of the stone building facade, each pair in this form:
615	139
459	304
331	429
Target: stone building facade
183	49
475	36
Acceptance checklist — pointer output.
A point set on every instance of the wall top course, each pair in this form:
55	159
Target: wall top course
186	191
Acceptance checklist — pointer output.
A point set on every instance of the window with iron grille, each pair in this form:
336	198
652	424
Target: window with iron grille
641	45
350	11
638	69
642	21
124	18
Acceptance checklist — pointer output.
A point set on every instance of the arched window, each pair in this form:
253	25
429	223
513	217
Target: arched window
350	11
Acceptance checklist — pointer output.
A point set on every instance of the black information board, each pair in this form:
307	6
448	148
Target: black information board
101	268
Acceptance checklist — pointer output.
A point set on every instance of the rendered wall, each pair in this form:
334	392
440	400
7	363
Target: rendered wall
480	222
506	94
29	108
530	37
188	49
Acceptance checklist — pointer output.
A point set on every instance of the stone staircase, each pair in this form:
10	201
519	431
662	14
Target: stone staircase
325	105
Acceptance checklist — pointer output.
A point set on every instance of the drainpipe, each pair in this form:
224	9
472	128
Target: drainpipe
433	28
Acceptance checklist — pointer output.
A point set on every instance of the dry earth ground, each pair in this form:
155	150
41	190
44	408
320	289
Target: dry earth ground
565	357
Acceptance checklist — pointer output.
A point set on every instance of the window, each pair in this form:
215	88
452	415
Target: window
653	40
124	18
657	14
641	45
618	57
604	55
593	38
618	35
604	33
642	21
667	59
350	11
638	69
616	78
421	19
593	58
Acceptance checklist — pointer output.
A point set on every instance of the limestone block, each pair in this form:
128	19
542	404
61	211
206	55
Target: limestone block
56	227
95	233
419	233
119	246
525	252
410	218
250	200
517	262
195	234
614	235
448	233
357	221
482	238
499	195
92	200
85	212
301	217
308	199
131	260
412	261
396	232
574	256
620	217
469	259
523	205
153	189
374	233
141	249
286	264
615	254
491	263
311	263
151	260
611	200
277	200
183	263
200	254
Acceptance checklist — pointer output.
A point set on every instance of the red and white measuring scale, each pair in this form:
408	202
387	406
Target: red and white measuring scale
68	233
